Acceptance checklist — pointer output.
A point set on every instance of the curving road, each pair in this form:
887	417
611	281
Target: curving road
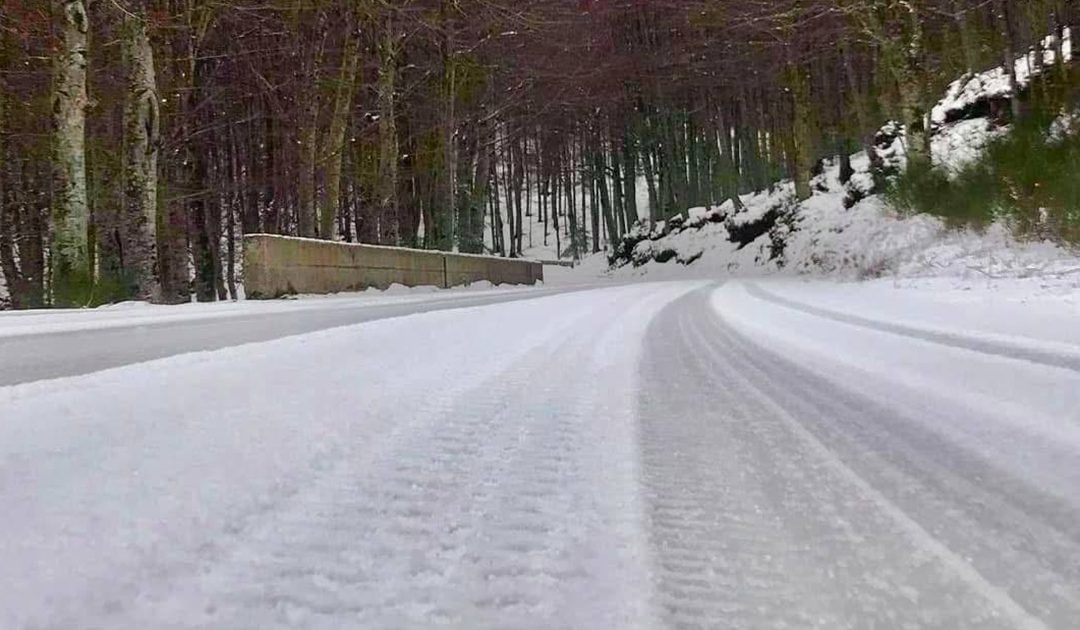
809	498
669	455
89	344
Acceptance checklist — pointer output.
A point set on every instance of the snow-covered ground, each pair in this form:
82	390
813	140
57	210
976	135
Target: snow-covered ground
1006	309
20	323
844	473
759	454
437	469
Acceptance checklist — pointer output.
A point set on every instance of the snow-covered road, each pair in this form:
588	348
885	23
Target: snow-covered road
39	345
680	455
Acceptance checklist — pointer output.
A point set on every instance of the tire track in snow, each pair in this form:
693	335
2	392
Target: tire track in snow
509	504
1003	530
755	526
1003	349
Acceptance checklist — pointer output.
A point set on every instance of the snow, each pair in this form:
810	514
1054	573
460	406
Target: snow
994	83
869	240
957	145
1023	406
124	314
1010	312
885	412
772	452
841	475
1063	126
304	482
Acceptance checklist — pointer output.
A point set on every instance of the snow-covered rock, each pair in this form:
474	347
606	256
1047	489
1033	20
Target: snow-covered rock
974	96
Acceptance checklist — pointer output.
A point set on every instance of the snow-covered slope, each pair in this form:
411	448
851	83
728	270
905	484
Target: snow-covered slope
849	231
822	237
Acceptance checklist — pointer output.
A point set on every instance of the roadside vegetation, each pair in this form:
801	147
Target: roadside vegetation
1027	178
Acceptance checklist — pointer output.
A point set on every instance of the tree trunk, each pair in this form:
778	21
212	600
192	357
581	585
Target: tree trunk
199	214
862	118
605	198
1004	13
447	188
518	160
8	266
650	182
235	206
967	37
621	227
846	170
335	141
913	93
478	198
594	205
508	186
802	131
387	183
555	195
140	154
305	218
571	207
630	182
312	33
72	275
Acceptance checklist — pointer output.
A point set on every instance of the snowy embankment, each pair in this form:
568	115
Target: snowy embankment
821	238
842	232
847	230
1024	312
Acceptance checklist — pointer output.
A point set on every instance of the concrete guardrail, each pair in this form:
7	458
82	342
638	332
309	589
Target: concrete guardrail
559	263
282	265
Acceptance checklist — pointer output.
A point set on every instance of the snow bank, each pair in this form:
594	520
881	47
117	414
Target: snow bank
19	323
820	237
958	145
1015	310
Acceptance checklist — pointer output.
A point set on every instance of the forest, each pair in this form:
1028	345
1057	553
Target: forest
141	139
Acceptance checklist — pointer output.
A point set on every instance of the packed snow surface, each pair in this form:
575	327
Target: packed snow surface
681	454
443	468
127	314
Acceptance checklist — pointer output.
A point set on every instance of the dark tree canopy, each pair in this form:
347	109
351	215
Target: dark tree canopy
425	122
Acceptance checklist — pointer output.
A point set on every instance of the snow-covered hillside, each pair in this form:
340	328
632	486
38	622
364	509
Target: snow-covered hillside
823	237
849	231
